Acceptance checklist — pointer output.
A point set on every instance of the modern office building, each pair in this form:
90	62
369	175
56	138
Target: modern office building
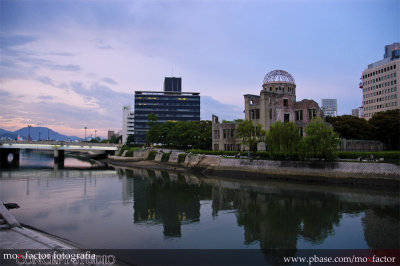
276	102
329	106
357	112
379	83
127	123
169	105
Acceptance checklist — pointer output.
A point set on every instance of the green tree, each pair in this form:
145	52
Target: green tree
251	135
130	139
351	127
283	137
114	139
386	128
320	141
153	134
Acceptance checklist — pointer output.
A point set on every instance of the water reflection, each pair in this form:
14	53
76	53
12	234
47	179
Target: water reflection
166	198
157	209
275	215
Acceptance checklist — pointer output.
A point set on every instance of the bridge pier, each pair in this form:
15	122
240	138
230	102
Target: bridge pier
4	163
59	155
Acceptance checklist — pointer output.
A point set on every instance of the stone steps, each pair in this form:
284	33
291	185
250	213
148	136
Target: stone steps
3	224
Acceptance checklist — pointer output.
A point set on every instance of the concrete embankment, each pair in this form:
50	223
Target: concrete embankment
358	173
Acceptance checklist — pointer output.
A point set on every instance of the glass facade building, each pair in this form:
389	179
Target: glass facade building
167	106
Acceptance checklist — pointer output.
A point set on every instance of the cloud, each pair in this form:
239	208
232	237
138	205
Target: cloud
210	106
45	97
109	81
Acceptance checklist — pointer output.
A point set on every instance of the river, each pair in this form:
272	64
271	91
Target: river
107	208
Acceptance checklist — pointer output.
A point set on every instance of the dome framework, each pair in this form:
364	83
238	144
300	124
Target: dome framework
279	76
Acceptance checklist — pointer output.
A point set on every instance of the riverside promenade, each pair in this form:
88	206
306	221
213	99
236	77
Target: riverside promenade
15	236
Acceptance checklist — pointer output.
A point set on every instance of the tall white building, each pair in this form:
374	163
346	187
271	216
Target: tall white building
329	106
380	83
127	123
357	112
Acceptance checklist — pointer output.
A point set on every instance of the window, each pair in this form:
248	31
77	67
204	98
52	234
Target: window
216	147
301	131
216	134
286	118
299	115
285	102
311	113
270	113
257	113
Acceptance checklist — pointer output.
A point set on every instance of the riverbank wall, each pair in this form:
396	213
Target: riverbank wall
363	173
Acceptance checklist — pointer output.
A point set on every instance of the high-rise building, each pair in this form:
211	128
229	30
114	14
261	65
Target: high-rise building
329	106
127	123
379	83
169	105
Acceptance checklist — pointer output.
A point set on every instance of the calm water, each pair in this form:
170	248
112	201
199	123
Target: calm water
138	208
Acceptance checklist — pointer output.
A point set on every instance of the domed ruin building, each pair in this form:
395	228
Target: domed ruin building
276	102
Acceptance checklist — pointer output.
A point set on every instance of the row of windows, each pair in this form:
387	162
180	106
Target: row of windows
369	95
374	107
385	84
394	96
382	92
169	98
140	113
168	109
389	76
379	71
139	105
392	104
281	88
255	114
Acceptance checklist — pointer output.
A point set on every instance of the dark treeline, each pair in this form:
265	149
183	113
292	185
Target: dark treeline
180	135
383	126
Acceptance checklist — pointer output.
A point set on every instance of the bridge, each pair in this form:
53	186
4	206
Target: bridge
13	147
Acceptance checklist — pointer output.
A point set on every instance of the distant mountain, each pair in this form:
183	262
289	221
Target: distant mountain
43	133
7	134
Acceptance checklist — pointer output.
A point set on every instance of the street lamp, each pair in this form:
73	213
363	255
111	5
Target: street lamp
29	134
85	133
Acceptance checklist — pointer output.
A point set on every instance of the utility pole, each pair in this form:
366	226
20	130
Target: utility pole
29	134
85	133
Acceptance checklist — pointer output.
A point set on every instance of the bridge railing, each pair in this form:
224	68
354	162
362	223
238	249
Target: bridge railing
62	143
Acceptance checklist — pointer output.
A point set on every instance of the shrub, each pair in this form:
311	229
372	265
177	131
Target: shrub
165	157
129	153
208	152
152	155
123	148
181	158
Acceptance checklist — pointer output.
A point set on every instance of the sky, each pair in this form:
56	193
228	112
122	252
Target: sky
74	64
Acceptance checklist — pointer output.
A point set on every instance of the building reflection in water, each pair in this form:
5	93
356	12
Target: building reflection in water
169	199
276	215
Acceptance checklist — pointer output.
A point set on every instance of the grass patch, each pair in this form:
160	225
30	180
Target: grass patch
165	157
152	155
181	158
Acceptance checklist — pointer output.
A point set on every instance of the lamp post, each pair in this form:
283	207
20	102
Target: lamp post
29	134
85	133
